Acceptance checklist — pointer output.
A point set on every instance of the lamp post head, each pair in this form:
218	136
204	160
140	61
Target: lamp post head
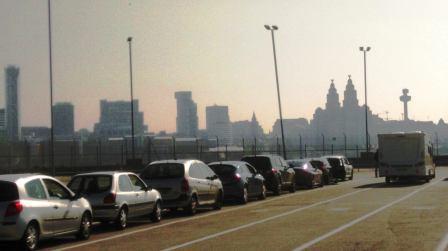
361	48
368	49
267	27
274	27
271	28
129	39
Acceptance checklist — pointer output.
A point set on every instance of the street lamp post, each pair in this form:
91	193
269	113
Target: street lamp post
132	97
323	144
365	50
273	28
53	170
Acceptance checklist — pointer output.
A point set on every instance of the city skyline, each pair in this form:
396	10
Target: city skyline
226	62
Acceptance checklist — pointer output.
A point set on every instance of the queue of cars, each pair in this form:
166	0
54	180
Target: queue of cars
34	207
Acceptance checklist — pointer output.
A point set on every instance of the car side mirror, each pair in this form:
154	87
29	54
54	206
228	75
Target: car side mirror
148	188
75	197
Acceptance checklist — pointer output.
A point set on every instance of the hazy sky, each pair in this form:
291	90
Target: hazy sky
221	52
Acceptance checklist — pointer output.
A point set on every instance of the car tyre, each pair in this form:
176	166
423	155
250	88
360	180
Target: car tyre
277	188
156	214
245	196
292	187
263	193
30	237
85	227
218	201
387	180
122	219
351	176
192	206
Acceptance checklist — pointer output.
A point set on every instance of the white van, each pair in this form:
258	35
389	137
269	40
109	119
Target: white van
405	155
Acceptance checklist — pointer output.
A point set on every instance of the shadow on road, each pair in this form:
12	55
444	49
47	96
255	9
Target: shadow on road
401	183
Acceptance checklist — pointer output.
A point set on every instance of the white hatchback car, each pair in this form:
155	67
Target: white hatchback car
116	196
38	206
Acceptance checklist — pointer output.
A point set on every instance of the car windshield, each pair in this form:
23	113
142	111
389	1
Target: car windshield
334	162
163	171
296	163
222	169
8	191
260	163
91	184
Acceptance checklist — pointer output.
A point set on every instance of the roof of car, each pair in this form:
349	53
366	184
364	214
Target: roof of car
16	177
334	156
178	161
262	155
102	173
233	163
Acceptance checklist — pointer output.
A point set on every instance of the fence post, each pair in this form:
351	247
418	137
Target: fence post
217	148
305	152
100	154
10	158
226	152
278	147
255	146
243	145
197	148
174	147
332	149
122	154
149	150
357	156
200	152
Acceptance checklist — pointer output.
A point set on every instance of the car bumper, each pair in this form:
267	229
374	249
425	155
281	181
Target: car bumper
105	212
11	231
233	191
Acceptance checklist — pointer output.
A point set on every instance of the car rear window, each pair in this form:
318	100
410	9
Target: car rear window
334	162
260	163
91	184
163	171
8	191
295	163
222	169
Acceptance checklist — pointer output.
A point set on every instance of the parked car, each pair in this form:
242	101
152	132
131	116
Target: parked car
117	196
340	167
34	207
276	172
186	184
306	174
240	180
323	165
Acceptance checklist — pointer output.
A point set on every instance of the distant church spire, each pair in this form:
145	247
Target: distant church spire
350	96
254	119
332	97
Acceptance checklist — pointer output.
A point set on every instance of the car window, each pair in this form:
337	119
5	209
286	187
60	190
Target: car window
91	184
9	191
223	169
35	189
346	161
251	169
261	163
56	190
163	171
124	184
208	172
137	183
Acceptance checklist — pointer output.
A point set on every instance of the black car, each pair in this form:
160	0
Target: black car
240	180
276	172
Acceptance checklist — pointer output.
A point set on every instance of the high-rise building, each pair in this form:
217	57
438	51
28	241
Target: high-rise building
187	115
218	123
115	120
2	124
246	129
12	103
63	120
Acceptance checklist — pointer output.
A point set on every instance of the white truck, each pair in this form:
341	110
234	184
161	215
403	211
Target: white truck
405	155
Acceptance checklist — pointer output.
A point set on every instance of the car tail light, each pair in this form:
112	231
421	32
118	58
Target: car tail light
110	198
185	186
14	208
274	171
237	177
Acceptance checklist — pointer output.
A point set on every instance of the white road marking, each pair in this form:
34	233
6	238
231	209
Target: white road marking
261	221
189	219
339	209
364	217
443	244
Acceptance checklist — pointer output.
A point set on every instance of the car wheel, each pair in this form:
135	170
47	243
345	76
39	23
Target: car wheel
387	180
351	176
327	179
263	193
292	188
192	206
277	188
122	219
30	237
85	227
218	201
156	214
245	196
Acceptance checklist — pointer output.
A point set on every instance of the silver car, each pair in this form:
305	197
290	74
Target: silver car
117	196
185	184
33	207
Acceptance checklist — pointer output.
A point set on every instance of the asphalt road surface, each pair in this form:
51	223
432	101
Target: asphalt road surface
362	214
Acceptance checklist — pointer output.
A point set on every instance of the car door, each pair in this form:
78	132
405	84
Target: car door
287	173
253	183
348	167
41	206
127	194
65	214
212	187
199	182
144	203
